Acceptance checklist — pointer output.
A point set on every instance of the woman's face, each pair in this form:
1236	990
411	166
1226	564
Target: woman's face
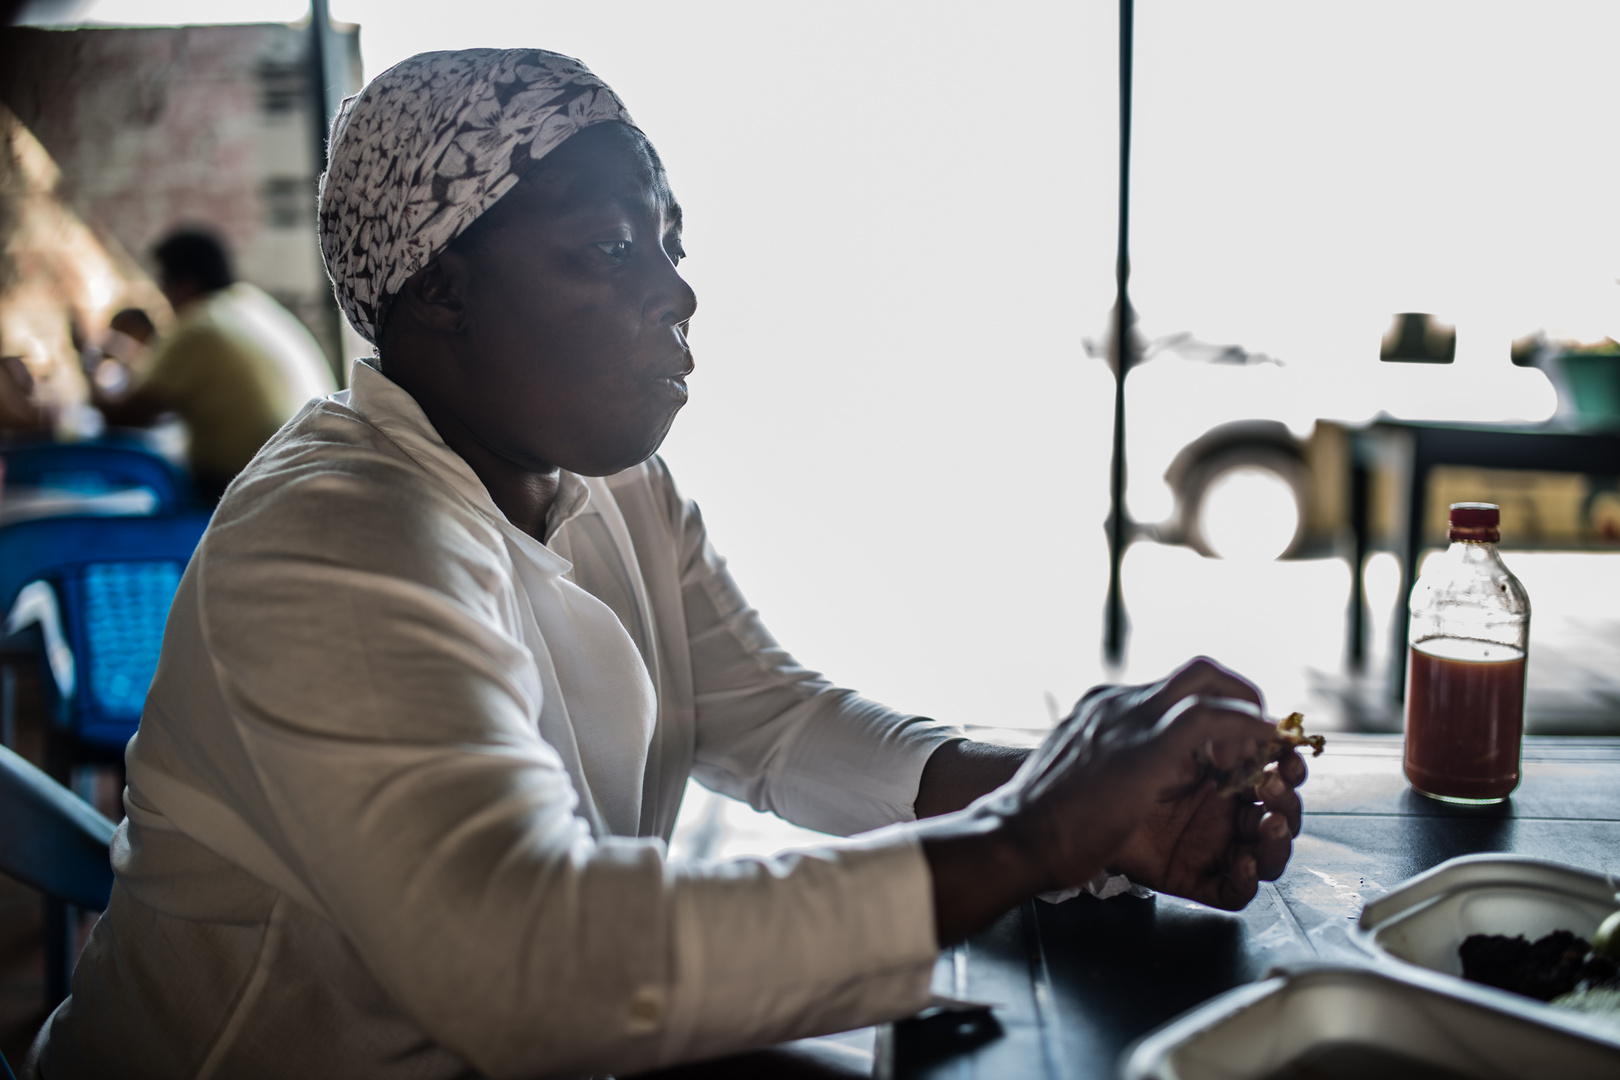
573	350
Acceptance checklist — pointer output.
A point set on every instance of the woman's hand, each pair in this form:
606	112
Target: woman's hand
1195	841
1128	782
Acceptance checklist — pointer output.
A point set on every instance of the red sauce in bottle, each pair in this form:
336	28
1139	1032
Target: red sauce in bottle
1465	716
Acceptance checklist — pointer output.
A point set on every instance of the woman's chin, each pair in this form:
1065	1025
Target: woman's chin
609	461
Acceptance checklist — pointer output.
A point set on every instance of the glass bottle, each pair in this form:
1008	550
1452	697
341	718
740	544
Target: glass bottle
1469	636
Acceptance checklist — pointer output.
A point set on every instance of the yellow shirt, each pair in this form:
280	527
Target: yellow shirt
237	366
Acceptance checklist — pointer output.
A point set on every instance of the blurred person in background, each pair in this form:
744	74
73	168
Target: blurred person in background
235	366
21	412
129	337
132	323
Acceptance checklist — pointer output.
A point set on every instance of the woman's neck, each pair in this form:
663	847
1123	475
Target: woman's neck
523	492
524	495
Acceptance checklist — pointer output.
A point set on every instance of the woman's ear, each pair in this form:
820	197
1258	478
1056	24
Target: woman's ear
434	294
429	313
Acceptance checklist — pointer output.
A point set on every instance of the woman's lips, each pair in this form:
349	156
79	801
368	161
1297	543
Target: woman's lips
674	384
674	381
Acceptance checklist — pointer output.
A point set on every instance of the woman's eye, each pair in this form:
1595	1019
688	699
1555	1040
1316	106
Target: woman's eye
615	249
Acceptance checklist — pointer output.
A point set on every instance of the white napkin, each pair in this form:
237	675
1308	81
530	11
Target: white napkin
1104	886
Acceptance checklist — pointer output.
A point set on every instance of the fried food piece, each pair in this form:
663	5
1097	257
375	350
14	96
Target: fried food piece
1291	729
1290	734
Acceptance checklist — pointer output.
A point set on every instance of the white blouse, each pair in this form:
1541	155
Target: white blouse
399	800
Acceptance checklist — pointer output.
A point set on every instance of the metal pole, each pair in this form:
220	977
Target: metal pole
1116	627
326	86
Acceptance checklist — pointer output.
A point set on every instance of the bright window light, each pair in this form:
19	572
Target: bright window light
1249	514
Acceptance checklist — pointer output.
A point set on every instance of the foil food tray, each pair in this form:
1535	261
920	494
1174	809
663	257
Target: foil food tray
1338	1022
1421	922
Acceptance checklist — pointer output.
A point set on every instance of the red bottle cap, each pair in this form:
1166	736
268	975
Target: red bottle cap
1475	521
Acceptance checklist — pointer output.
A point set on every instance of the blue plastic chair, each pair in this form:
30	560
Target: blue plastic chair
100	588
96	468
112	580
58	843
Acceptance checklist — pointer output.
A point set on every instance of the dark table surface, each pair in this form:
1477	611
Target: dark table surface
1074	984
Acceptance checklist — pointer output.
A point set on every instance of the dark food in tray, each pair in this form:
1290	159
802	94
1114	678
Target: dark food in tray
1546	968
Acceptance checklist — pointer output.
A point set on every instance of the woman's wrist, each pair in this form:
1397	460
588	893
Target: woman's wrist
982	863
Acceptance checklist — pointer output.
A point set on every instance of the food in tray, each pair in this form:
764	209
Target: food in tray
1606	942
1561	968
1543	969
1290	735
1600	1004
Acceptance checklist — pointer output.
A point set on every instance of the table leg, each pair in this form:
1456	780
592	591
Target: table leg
1412	546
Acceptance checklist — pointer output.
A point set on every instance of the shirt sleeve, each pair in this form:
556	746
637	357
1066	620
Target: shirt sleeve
369	672
774	733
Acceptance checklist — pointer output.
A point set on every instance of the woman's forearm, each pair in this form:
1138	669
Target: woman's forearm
980	861
959	772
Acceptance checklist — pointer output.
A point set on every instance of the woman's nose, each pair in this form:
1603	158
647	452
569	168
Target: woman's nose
673	300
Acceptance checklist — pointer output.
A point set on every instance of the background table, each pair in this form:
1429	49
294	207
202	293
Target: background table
1076	983
26	504
1419	448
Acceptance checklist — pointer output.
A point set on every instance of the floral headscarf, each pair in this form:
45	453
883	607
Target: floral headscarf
428	146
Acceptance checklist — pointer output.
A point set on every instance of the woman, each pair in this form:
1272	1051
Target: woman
440	669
